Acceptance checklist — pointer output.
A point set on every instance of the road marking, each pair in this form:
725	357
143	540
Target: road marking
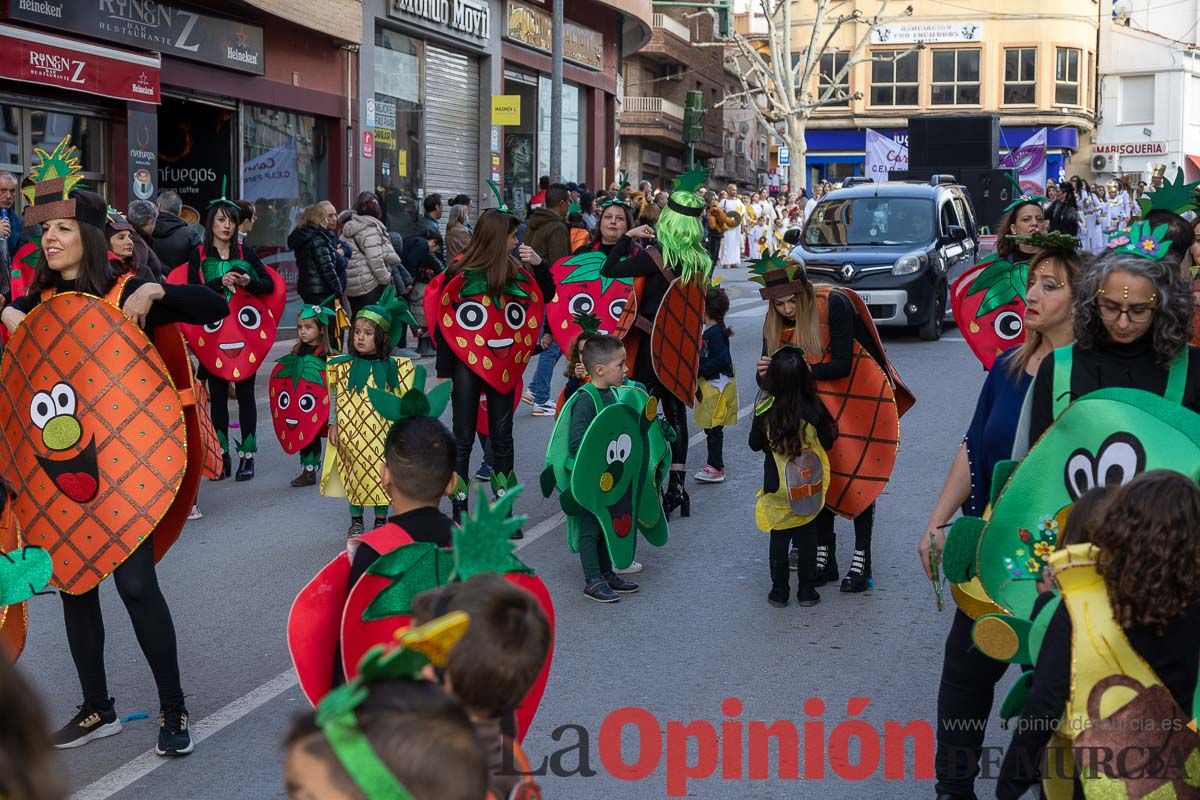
133	771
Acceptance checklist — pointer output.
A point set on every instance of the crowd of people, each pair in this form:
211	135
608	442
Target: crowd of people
427	692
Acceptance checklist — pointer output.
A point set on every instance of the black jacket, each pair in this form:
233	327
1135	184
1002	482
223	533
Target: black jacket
173	241
316	264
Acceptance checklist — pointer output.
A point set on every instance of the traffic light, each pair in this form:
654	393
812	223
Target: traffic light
724	20
693	116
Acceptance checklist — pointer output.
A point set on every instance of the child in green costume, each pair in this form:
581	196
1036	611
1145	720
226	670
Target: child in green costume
604	360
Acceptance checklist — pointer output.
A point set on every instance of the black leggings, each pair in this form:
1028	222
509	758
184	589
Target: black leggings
802	538
218	402
466	389
965	696
716	442
137	584
675	412
863	525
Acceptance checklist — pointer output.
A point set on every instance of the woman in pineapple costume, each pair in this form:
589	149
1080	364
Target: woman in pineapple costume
115	504
485	312
662	337
356	429
848	361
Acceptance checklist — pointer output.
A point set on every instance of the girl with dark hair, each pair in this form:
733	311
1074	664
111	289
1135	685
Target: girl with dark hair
717	405
1063	213
794	430
120	235
225	265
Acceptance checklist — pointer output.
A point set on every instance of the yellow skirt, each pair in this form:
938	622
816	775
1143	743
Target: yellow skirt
717	406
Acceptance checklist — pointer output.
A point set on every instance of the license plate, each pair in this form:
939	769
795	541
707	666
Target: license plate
866	297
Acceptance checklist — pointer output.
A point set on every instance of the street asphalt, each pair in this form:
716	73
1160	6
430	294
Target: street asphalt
699	632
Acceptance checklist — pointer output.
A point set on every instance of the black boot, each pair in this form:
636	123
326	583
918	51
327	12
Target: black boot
458	507
858	578
825	568
245	469
676	496
780	584
225	468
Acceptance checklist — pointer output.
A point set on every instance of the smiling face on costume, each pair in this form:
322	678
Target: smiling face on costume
1130	300
63	245
785	307
1029	219
1048	298
121	243
613	224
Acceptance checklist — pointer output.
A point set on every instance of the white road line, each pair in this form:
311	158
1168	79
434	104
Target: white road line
133	771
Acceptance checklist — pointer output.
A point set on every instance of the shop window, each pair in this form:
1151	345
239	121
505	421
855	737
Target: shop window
1066	76
520	142
399	129
1137	99
894	78
955	78
574	131
1020	76
23	129
831	65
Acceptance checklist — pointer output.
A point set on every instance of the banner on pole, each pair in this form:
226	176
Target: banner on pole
1029	160
884	155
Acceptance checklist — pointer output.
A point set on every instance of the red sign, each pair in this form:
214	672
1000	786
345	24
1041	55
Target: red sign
36	57
368	144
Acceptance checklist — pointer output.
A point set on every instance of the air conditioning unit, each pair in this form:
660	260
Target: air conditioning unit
1103	162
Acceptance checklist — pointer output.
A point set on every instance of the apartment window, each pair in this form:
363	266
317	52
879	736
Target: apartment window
1020	76
1137	99
1066	76
955	78
894	78
831	65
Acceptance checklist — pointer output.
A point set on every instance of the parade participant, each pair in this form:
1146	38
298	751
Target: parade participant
492	667
1090	209
233	351
794	430
119	234
663	340
731	241
840	341
1116	210
717	408
49	407
987	300
969	678
356	429
1133	312
24	571
486	312
299	395
1129	619
390	734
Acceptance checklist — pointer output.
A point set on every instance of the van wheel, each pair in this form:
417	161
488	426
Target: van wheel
931	331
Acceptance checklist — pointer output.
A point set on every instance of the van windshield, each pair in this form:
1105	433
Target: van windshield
870	222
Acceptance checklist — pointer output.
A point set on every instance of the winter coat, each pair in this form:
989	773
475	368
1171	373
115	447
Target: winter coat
547	234
143	256
372	255
173	240
316	263
457	239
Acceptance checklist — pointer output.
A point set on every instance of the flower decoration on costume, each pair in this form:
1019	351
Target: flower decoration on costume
1174	196
1144	241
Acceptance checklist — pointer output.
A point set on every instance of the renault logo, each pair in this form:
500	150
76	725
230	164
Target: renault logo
847	271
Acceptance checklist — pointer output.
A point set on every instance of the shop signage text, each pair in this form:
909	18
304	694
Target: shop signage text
506	109
152	25
142	140
54	61
1132	149
532	27
927	32
368	148
465	16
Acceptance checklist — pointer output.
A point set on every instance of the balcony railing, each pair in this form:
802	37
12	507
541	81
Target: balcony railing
652	105
672	25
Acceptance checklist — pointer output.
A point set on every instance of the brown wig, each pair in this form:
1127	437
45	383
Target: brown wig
795	405
1068	268
27	770
488	251
1005	246
1149	550
95	274
498	659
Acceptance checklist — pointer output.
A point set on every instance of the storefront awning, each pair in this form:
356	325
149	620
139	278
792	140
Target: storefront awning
1195	161
35	57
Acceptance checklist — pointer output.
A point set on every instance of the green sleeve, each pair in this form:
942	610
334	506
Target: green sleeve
582	413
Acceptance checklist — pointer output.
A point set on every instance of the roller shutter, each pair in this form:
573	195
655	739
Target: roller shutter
451	125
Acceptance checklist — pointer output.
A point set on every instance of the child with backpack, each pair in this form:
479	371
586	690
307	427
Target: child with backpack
717	394
794	431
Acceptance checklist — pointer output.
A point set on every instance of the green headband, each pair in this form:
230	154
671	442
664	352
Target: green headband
389	312
430	643
324	312
223	200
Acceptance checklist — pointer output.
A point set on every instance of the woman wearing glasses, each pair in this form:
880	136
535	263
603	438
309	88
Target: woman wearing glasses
1133	317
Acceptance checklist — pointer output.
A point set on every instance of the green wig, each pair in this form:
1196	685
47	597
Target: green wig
680	231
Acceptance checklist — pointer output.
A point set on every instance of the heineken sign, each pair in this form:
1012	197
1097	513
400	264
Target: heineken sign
169	28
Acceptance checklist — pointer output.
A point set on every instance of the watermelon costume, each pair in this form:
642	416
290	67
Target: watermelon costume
103	442
662	330
299	398
864	394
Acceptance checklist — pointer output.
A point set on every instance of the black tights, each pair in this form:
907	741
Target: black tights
466	389
804	539
137	584
675	412
863	525
218	401
965	696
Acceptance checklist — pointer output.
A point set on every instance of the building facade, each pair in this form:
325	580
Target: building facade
1032	62
656	81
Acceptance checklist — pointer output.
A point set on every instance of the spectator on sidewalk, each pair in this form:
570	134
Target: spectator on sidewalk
315	249
142	214
341	248
246	218
10	220
372	256
464	201
173	239
587	207
550	238
458	232
429	225
539	199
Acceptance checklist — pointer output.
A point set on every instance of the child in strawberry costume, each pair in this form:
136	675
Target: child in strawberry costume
485	312
299	396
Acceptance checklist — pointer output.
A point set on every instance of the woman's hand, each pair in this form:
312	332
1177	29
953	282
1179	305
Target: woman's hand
137	305
333	435
933	537
640	232
580	370
11	318
763	363
529	255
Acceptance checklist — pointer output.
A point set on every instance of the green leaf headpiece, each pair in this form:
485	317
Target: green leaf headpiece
1143	241
390	313
779	276
1174	196
48	188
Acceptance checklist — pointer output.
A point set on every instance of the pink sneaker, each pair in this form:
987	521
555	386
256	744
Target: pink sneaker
710	475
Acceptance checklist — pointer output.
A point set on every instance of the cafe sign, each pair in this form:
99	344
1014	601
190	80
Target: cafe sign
470	17
532	27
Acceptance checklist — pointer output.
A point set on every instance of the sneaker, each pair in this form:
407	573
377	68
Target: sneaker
710	475
173	736
600	591
633	567
356	529
407	352
307	477
484	473
527	398
87	726
195	513
619	584
545	409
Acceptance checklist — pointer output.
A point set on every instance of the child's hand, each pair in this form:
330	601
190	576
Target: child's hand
763	363
580	370
333	435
